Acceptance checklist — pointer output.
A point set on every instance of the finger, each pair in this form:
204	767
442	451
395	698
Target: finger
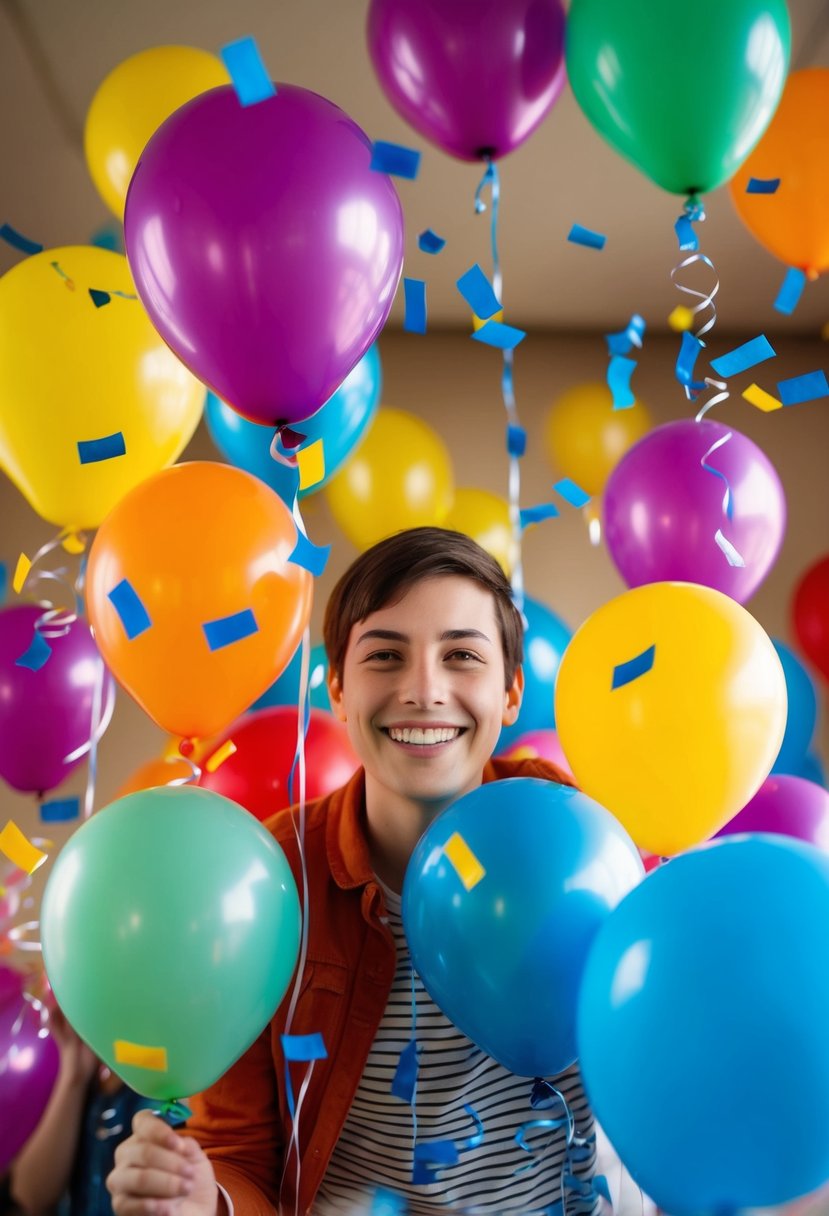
141	1182
125	1206
140	1154
147	1126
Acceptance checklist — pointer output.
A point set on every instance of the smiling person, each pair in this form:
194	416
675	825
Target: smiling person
425	647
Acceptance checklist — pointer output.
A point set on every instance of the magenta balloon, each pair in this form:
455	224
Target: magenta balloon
476	77
786	806
662	509
264	248
11	985
28	1068
46	715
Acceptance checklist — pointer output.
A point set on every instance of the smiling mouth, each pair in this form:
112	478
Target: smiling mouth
423	736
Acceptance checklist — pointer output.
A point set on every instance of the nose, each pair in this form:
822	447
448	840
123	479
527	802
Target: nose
423	682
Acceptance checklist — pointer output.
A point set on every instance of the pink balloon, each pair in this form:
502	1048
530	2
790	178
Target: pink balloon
542	743
476	77
786	806
662	509
11	985
29	1061
47	715
265	249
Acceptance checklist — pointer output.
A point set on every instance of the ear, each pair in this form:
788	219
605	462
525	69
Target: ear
335	693
512	698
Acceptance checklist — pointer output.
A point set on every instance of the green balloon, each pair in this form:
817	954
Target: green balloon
170	921
684	91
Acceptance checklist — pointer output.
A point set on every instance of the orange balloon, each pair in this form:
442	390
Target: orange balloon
192	597
792	223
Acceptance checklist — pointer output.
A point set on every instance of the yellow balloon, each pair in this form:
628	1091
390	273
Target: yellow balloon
131	104
399	477
484	517
585	438
80	383
676	751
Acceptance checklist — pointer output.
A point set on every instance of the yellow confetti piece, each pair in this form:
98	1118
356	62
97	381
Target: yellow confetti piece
311	464
764	401
19	850
152	1058
479	323
219	756
681	318
21	572
824	333
74	543
469	869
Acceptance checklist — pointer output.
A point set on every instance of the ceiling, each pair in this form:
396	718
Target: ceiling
54	53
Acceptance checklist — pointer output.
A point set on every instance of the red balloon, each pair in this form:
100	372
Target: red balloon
256	774
810	610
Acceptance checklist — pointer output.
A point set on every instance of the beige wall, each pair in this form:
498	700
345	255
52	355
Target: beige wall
454	384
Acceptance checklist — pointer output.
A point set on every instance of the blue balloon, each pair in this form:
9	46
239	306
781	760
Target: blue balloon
545	641
501	952
702	1026
340	424
802	712
812	769
285	690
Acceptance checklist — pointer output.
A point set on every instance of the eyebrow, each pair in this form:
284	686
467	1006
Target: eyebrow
448	635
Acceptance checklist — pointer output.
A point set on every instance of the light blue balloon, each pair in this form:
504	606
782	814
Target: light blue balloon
802	712
340	424
545	641
812	769
702	1026
285	691
503	956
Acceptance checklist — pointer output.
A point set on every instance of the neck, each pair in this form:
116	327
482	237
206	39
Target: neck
395	825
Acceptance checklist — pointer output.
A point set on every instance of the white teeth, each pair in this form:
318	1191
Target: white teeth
423	738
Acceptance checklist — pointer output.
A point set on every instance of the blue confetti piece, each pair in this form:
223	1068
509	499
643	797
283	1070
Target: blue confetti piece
622	342
626	673
405	1075
247	71
516	440
586	236
571	492
430	242
108	236
537	515
395	160
60	810
689	350
602	1187
685	235
99	298
495	333
387	1203
414	321
132	613
762	185
91	451
619	372
311	557
809	387
226	630
743	357
18	241
304	1046
4	582
791	289
477	290
36	654
429	1158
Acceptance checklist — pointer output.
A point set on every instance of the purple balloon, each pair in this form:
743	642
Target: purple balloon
29	1061
264	248
476	77
663	509
786	806
11	985
46	715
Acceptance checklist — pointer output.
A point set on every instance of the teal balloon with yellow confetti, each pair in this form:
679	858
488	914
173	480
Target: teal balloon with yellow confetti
170	928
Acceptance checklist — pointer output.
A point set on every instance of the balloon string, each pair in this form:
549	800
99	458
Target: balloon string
492	180
545	1095
55	622
694	213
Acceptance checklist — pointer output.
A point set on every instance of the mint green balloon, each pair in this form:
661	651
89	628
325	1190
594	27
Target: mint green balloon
684	91
170	920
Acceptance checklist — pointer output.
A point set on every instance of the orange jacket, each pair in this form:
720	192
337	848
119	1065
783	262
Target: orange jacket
242	1121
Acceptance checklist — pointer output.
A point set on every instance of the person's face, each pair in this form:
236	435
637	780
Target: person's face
422	691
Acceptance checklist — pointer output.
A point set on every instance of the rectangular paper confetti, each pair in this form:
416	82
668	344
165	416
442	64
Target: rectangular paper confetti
758	397
19	849
99	298
304	1046
311	464
313	558
226	630
131	612
108	447
809	387
18	241
21	573
405	1075
621	343
762	185
414	320
743	357
571	492
247	71
37	654
586	237
516	440
791	289
686	235
619	371
429	242
537	515
154	1059
221	754
689	351
626	673
60	810
504	337
478	292
395	160
4	582
466	864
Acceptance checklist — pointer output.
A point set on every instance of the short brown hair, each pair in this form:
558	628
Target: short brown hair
383	574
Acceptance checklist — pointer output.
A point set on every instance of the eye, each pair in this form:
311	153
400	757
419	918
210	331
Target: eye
464	656
381	656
